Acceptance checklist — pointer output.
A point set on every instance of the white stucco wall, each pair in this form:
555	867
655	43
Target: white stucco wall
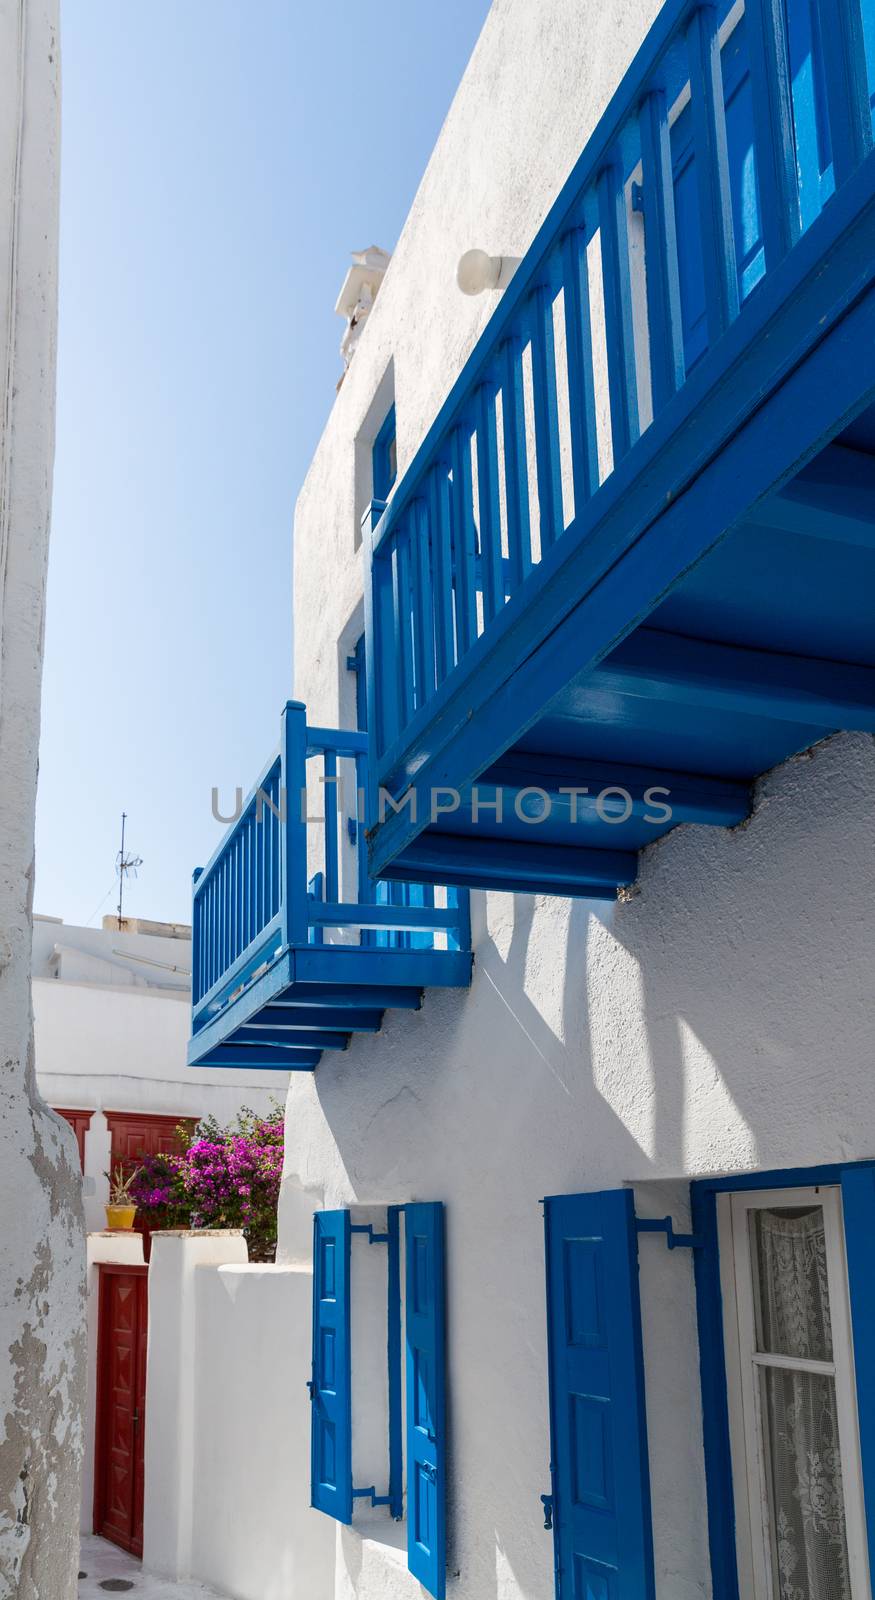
42	1252
112	1036
227	1422
722	1020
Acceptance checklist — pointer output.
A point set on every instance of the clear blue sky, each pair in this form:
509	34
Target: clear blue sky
220	160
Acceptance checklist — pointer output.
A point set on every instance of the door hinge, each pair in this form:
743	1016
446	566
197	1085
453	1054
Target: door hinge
547	1503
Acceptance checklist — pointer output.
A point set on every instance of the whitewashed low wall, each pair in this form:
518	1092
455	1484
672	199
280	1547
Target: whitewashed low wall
228	1423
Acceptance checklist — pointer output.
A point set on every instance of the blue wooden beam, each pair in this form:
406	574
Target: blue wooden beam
343	913
262	1038
239	1060
338	996
653	665
518	866
692	798
345	1018
277	1057
832	498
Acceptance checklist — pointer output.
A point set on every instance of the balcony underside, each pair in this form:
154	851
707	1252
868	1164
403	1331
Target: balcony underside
711	614
315	998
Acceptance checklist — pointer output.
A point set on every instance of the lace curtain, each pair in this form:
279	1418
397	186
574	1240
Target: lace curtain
800	1424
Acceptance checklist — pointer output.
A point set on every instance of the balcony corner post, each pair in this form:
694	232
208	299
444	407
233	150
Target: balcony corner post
293	885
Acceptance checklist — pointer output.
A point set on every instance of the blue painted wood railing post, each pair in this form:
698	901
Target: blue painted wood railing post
712	171
383	714
293	863
581	382
664	324
491	563
546	408
197	939
463	538
777	178
516	472
617	290
847	92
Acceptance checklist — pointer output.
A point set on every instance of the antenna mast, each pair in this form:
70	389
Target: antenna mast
126	867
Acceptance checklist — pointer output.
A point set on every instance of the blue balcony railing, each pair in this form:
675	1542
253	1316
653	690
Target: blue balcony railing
294	945
675	281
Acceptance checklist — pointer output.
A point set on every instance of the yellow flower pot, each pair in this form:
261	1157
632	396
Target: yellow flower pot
120	1216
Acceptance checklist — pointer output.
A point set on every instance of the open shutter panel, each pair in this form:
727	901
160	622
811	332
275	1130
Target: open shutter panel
426	1405
601	1482
330	1390
858	1205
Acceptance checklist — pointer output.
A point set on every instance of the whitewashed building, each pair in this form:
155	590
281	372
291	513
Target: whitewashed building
665	1042
111	1016
42	1251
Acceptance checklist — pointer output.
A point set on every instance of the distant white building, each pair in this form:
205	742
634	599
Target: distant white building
111	1020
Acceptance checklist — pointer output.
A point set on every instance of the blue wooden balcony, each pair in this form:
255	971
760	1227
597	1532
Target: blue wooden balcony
632	565
294	946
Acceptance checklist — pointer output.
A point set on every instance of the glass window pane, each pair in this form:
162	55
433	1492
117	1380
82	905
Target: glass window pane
791	1294
809	1549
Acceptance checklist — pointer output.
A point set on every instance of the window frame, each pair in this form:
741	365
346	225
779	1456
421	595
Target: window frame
382	476
720	1497
753	1541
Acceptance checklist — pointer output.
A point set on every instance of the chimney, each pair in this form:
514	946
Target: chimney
357	296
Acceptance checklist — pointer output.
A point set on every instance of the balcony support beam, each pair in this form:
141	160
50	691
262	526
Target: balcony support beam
293	1018
832	498
240	1059
282	1039
518	866
691	798
722	678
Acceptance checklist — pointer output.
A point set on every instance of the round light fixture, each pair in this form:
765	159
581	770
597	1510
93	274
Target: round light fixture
477	271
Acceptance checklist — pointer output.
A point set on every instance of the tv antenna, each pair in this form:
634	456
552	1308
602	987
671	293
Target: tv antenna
126	867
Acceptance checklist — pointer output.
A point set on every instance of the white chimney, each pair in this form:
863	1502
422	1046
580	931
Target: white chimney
358	294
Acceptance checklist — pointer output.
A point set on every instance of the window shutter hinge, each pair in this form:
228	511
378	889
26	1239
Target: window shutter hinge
373	1238
675	1241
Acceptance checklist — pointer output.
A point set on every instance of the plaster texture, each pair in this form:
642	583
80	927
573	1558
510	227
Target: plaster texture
721	1020
42	1253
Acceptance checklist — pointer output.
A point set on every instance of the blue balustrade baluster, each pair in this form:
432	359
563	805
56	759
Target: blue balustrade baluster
581	382
712	172
545	405
617	291
491	560
664	326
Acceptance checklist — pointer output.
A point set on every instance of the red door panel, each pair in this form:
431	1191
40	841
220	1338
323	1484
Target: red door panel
121	1405
80	1122
135	1134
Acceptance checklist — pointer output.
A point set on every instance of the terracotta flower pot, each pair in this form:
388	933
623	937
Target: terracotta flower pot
120	1216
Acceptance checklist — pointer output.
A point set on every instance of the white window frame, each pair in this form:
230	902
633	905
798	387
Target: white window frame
753	1541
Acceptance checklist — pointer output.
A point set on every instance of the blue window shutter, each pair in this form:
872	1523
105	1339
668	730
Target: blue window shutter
426	1396
858	1205
330	1392
603	1542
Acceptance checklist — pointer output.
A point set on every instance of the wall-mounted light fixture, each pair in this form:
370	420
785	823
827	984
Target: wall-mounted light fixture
478	272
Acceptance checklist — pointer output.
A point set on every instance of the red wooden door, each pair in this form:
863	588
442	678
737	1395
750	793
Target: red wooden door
136	1134
121	1405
